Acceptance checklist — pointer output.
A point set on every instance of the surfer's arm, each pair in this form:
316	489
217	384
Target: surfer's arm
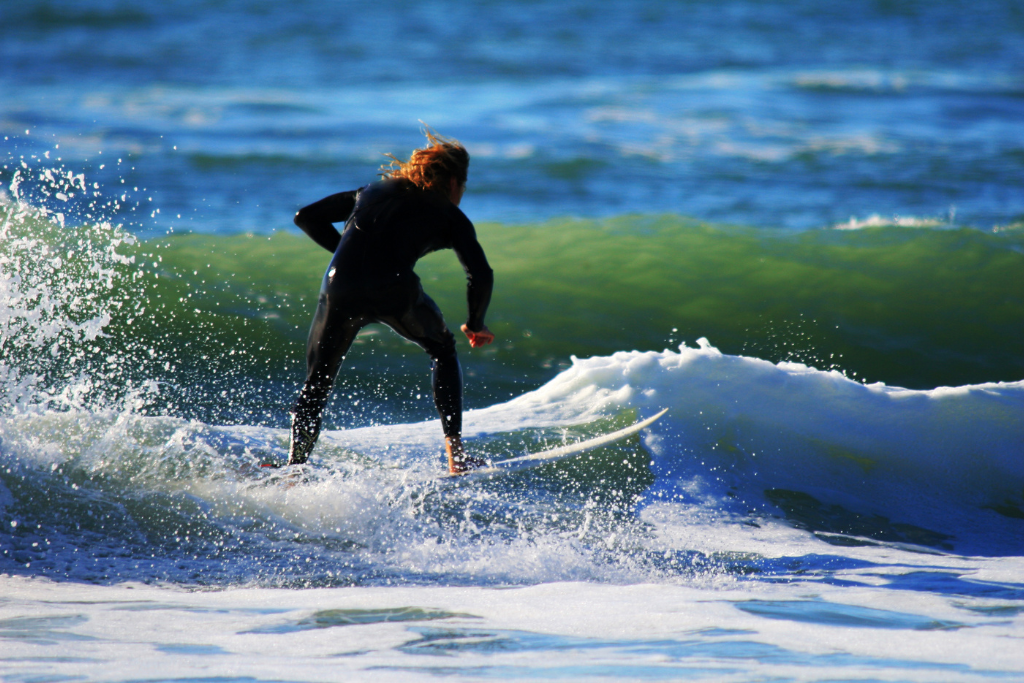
317	220
480	281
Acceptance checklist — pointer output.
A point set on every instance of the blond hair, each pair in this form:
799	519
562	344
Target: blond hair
432	167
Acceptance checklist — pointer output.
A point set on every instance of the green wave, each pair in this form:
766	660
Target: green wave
912	307
222	320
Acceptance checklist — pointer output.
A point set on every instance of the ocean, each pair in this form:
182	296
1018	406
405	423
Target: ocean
798	226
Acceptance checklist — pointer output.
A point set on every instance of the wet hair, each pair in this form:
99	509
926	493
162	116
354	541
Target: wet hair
432	167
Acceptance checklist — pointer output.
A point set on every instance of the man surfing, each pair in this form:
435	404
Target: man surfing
389	225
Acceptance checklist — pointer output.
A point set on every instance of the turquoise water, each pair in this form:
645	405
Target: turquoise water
797	226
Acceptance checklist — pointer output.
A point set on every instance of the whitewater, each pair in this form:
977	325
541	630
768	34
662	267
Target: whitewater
847	531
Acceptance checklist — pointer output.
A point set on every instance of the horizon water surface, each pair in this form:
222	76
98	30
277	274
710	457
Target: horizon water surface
799	226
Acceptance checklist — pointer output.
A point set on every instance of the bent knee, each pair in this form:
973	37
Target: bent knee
442	349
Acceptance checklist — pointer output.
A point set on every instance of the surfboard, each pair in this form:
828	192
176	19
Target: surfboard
532	460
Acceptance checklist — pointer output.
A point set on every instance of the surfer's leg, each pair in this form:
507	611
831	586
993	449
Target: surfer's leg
330	337
446	381
424	325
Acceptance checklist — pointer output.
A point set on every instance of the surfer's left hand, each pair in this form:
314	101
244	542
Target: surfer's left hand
481	337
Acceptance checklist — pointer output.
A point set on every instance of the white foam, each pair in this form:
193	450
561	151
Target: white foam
736	428
746	424
566	629
877	221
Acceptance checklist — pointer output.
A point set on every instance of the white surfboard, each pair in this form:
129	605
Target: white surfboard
554	454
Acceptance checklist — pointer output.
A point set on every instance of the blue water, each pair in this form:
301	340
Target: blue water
780	114
767	217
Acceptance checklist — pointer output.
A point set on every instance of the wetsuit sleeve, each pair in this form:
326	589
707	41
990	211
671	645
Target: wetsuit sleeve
317	219
478	272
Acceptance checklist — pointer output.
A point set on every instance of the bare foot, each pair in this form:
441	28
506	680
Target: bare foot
458	460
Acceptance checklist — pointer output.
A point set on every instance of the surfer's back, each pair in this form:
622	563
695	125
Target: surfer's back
394	224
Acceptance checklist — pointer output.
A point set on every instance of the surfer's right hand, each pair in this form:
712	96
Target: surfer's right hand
481	337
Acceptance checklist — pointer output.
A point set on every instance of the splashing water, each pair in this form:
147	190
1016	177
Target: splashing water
62	289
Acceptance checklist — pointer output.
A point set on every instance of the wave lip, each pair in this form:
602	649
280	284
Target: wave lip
747	435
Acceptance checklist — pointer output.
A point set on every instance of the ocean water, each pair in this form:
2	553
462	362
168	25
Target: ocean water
799	226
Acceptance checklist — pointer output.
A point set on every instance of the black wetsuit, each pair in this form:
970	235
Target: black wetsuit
389	225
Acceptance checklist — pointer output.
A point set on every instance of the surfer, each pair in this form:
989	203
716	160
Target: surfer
389	224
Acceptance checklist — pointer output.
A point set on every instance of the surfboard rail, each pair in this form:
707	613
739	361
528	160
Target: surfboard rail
557	453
